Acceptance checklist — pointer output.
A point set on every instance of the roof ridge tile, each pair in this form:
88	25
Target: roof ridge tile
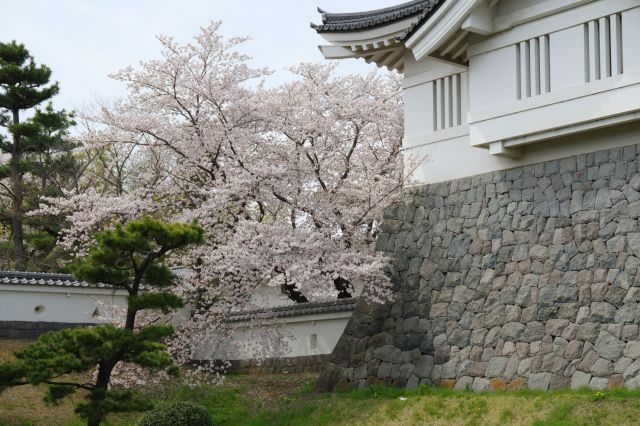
361	20
340	305
47	279
355	21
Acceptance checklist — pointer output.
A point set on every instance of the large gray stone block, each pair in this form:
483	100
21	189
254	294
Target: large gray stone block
539	381
608	346
480	384
602	368
512	331
496	367
580	380
602	312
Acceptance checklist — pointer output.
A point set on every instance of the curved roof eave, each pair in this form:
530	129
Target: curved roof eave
377	36
421	10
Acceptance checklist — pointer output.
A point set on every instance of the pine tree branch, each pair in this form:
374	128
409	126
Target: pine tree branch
85	386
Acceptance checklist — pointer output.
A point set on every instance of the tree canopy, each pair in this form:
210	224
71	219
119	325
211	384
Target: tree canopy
126	257
40	158
288	183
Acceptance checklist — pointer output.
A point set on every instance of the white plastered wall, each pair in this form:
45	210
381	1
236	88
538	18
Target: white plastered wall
54	304
511	6
303	335
456	159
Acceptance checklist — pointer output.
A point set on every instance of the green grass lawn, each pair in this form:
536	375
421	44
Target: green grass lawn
289	399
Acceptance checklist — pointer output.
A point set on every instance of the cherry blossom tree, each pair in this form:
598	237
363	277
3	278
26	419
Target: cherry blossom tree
330	166
287	182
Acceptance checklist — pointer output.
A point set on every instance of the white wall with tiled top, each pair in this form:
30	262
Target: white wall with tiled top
295	336
55	304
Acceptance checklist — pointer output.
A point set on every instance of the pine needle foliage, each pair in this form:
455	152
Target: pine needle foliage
40	155
129	257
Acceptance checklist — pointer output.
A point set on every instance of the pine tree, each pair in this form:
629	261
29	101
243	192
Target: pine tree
23	85
49	160
127	257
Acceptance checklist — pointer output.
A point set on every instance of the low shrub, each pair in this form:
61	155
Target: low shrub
177	414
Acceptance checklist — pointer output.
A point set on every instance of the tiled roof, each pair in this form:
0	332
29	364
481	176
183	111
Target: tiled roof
342	305
44	279
424	17
346	22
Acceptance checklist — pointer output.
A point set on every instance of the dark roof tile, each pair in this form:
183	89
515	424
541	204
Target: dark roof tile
346	22
342	305
45	279
424	17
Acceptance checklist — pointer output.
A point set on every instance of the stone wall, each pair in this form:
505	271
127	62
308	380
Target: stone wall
32	329
524	277
295	364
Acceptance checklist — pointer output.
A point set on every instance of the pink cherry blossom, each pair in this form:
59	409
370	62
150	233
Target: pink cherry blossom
289	182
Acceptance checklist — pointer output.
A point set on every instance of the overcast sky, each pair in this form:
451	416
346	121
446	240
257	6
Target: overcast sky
83	41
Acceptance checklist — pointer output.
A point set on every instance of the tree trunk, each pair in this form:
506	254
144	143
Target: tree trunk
131	314
344	288
292	292
16	179
99	393
131	320
94	421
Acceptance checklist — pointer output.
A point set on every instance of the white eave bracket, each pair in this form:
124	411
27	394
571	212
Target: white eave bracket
336	52
480	21
500	150
453	17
